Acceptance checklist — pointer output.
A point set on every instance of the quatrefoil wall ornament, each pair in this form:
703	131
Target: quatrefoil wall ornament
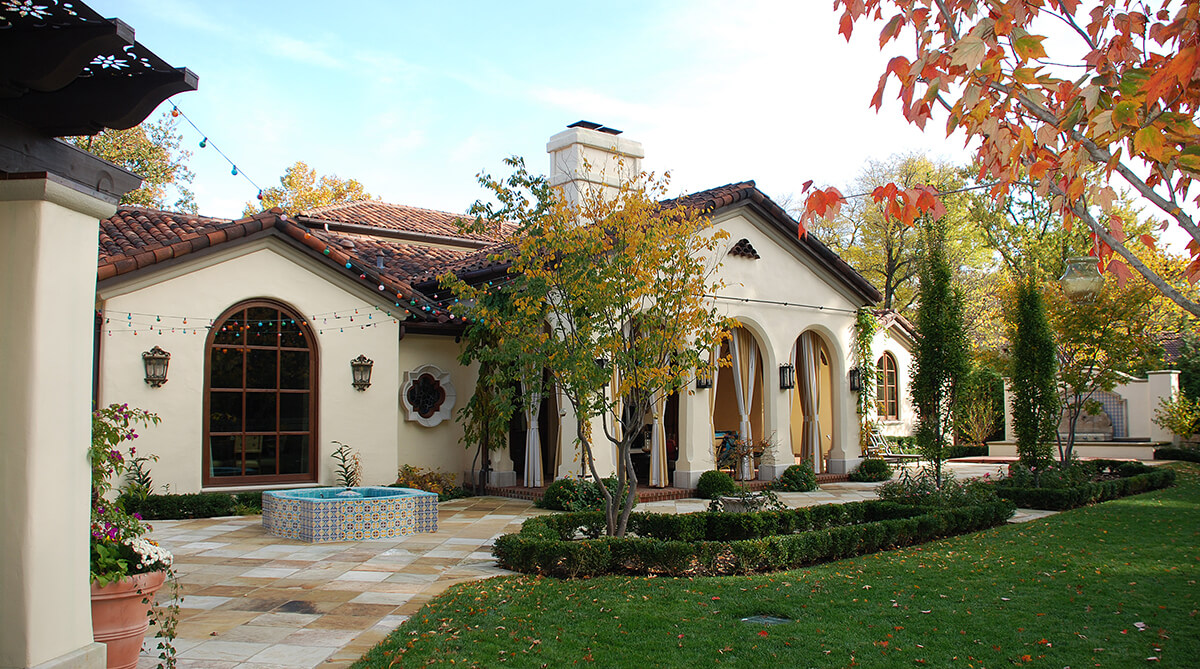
427	395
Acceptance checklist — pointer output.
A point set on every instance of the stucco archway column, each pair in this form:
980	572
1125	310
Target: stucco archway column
47	296
844	449
695	436
778	456
502	473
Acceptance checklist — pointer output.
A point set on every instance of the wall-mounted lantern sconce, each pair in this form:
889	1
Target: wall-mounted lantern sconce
602	365
156	361
787	376
855	380
704	379
360	368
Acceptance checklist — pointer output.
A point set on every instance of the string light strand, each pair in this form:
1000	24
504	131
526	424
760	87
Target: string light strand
205	142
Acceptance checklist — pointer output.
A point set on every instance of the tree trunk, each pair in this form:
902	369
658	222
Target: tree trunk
585	451
631	480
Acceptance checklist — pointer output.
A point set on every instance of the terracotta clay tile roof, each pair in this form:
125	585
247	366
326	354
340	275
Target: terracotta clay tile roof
131	231
398	258
395	217
888	317
468	264
714	198
144	237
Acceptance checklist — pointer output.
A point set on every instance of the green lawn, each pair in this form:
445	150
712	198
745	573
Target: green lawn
1113	585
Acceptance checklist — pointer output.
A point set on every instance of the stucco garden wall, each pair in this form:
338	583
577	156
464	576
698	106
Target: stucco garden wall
201	290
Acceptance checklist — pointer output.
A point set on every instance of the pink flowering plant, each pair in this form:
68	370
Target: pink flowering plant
119	548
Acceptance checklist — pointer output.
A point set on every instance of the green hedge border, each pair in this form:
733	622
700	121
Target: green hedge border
1184	454
717	544
192	505
1061	499
966	452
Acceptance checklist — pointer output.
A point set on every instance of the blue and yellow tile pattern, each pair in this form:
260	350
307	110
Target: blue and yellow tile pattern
320	514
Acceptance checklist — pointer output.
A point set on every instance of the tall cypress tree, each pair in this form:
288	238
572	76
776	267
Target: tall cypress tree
1034	377
940	359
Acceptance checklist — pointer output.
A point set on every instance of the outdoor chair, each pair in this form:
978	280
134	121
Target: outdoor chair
882	448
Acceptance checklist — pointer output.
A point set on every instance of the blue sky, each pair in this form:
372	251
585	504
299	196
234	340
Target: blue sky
415	98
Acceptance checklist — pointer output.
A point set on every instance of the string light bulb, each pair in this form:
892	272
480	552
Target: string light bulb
233	171
204	142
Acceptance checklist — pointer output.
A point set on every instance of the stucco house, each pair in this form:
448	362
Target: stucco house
268	319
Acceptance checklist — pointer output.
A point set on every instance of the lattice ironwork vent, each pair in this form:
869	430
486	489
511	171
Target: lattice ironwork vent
744	249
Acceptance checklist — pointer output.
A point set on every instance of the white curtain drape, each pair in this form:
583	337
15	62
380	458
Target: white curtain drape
658	444
745	367
809	401
533	438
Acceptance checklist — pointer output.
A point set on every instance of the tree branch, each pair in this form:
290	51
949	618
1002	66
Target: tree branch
1080	211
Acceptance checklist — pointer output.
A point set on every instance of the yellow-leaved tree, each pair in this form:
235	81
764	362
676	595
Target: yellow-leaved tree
616	280
299	190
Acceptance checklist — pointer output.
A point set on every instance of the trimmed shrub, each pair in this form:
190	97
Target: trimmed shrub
1185	454
713	484
871	470
1133	478
580	495
559	495
797	478
711	544
179	507
966	452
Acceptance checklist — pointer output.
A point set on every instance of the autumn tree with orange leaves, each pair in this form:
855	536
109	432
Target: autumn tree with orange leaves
1072	98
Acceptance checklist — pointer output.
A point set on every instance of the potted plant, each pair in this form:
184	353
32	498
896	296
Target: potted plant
126	567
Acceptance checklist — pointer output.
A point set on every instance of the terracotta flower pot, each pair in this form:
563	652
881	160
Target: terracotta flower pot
120	616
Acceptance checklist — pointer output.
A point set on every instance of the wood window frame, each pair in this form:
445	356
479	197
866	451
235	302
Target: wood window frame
887	399
310	476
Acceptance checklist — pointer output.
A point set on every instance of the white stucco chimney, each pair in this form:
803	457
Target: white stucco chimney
588	156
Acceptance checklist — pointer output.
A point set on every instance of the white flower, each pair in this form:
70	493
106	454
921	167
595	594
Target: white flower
153	556
107	62
25	8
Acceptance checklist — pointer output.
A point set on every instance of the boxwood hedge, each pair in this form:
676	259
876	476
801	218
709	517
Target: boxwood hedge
1186	454
193	505
1133	478
710	544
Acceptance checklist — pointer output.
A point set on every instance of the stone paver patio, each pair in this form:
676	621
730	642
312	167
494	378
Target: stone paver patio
256	601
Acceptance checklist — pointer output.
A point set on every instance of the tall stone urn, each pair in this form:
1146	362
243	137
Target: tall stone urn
120	616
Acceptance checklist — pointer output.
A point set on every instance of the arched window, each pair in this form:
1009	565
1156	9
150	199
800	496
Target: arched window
887	389
260	400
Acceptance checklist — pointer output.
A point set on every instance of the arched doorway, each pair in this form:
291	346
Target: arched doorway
812	424
260	397
738	390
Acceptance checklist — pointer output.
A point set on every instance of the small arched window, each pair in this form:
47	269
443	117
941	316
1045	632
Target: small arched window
260	400
887	389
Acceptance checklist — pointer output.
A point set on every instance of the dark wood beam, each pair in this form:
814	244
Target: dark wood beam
24	150
47	60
